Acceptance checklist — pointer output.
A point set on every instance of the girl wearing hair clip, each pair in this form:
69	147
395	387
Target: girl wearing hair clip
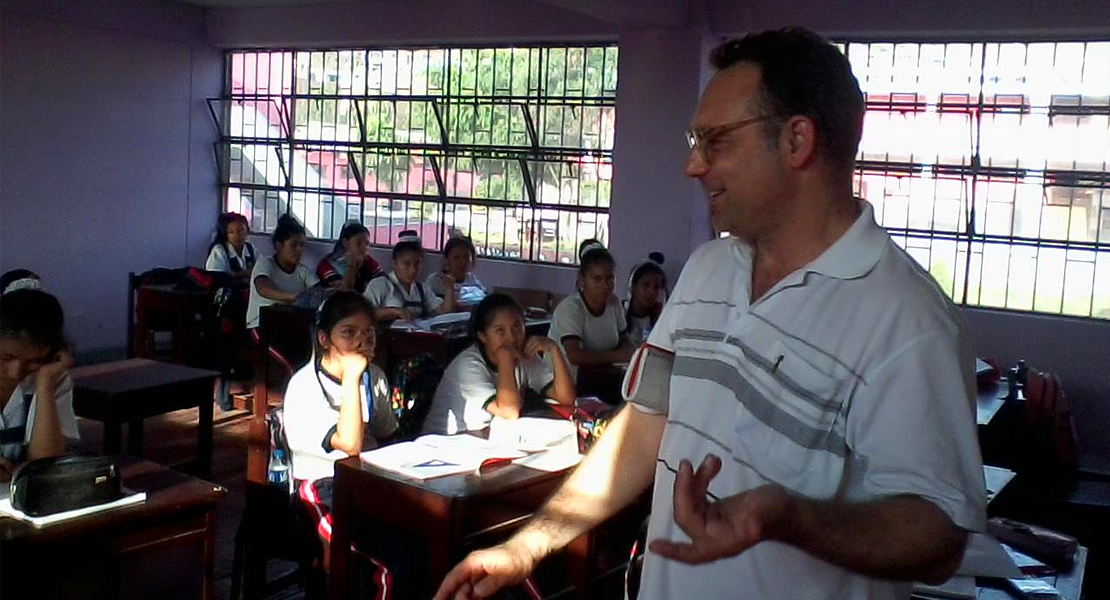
350	266
36	393
19	279
230	252
646	285
590	325
400	295
458	260
337	405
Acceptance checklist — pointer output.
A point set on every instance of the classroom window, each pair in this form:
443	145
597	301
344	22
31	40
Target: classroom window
988	163
510	145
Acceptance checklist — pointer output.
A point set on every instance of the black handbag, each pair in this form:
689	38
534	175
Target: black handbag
53	485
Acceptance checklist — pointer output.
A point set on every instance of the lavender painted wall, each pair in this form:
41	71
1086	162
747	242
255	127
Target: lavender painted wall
104	148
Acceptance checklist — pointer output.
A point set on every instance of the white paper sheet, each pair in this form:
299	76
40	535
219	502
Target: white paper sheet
7	510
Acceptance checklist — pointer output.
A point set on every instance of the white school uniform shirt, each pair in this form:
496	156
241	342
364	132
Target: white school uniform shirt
22	408
300	279
468	386
219	260
851	379
312	401
387	292
572	319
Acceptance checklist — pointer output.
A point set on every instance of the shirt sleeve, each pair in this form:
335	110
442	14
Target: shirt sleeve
217	260
378	292
309	417
478	387
67	422
326	272
384	423
567	321
372	267
911	428
261	269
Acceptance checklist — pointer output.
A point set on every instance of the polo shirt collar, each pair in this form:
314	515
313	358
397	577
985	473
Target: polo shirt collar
856	252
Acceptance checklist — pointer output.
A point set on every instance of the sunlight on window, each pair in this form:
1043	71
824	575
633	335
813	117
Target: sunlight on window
990	164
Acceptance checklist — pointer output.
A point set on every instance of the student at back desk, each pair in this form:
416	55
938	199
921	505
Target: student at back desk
400	295
590	325
281	277
349	266
230	252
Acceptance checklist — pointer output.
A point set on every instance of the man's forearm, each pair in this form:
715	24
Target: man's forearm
619	467
901	537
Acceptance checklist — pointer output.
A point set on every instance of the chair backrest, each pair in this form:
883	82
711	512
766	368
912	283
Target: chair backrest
1054	447
530	297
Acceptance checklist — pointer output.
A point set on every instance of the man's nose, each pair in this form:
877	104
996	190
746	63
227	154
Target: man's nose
696	165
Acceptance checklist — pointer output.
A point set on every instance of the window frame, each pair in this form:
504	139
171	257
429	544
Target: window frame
970	236
532	213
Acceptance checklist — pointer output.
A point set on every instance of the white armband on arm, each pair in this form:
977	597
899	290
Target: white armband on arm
647	382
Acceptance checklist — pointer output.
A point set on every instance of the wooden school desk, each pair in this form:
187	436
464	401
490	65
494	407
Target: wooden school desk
84	555
449	514
167	308
129	391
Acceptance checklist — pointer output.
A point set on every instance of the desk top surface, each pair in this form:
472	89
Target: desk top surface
168	492
468	485
134	375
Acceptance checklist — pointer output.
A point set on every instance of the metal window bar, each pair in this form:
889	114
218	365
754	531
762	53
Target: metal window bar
1032	206
323	83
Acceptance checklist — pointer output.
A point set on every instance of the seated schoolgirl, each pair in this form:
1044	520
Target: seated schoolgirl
458	261
36	414
501	375
279	278
230	252
590	325
350	266
337	405
400	295
647	290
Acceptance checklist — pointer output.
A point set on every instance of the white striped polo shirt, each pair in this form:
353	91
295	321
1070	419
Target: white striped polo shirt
852	378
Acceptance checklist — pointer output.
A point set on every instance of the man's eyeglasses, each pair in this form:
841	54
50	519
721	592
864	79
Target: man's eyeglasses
702	139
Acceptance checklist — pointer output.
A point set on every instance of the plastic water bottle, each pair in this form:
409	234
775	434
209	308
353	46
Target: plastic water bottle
279	469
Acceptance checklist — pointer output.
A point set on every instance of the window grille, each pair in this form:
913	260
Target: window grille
990	164
510	145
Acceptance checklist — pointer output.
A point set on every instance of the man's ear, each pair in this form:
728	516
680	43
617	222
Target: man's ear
799	141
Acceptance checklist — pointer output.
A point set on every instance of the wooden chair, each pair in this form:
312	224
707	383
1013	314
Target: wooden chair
533	298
